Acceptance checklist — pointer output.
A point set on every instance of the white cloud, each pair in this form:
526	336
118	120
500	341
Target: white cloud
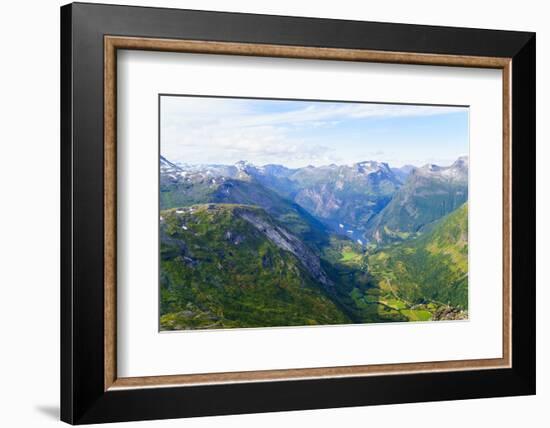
234	112
217	130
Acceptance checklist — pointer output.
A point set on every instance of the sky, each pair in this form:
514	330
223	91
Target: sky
211	130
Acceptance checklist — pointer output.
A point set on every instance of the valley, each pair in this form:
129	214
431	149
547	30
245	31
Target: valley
259	246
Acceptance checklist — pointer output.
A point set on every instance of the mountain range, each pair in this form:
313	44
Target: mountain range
428	193
245	245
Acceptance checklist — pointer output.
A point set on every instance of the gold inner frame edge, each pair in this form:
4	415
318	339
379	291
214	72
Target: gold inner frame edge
113	43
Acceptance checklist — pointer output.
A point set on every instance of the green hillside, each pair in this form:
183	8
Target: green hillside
432	268
247	192
246	246
226	265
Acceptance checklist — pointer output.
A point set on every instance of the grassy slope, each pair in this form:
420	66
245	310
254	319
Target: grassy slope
430	268
218	271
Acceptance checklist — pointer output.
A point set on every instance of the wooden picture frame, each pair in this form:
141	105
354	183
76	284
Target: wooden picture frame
91	390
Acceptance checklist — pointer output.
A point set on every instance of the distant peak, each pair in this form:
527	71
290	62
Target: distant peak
243	164
457	170
407	168
462	161
165	163
369	163
370	166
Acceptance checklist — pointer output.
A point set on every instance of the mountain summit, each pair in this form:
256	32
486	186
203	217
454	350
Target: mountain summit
457	171
167	167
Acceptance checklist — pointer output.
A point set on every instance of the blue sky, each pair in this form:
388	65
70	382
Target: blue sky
200	130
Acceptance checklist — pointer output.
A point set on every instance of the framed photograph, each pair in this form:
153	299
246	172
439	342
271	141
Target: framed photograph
266	213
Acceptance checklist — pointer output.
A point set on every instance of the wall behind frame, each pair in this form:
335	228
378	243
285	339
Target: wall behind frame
29	220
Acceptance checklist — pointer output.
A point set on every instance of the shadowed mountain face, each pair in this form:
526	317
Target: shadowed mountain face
251	246
348	195
342	197
403	172
428	194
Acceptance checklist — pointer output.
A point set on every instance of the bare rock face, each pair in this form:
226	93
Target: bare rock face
321	201
287	242
339	192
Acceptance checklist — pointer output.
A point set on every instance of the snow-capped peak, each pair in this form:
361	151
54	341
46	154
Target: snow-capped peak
168	167
462	162
458	170
369	167
242	164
